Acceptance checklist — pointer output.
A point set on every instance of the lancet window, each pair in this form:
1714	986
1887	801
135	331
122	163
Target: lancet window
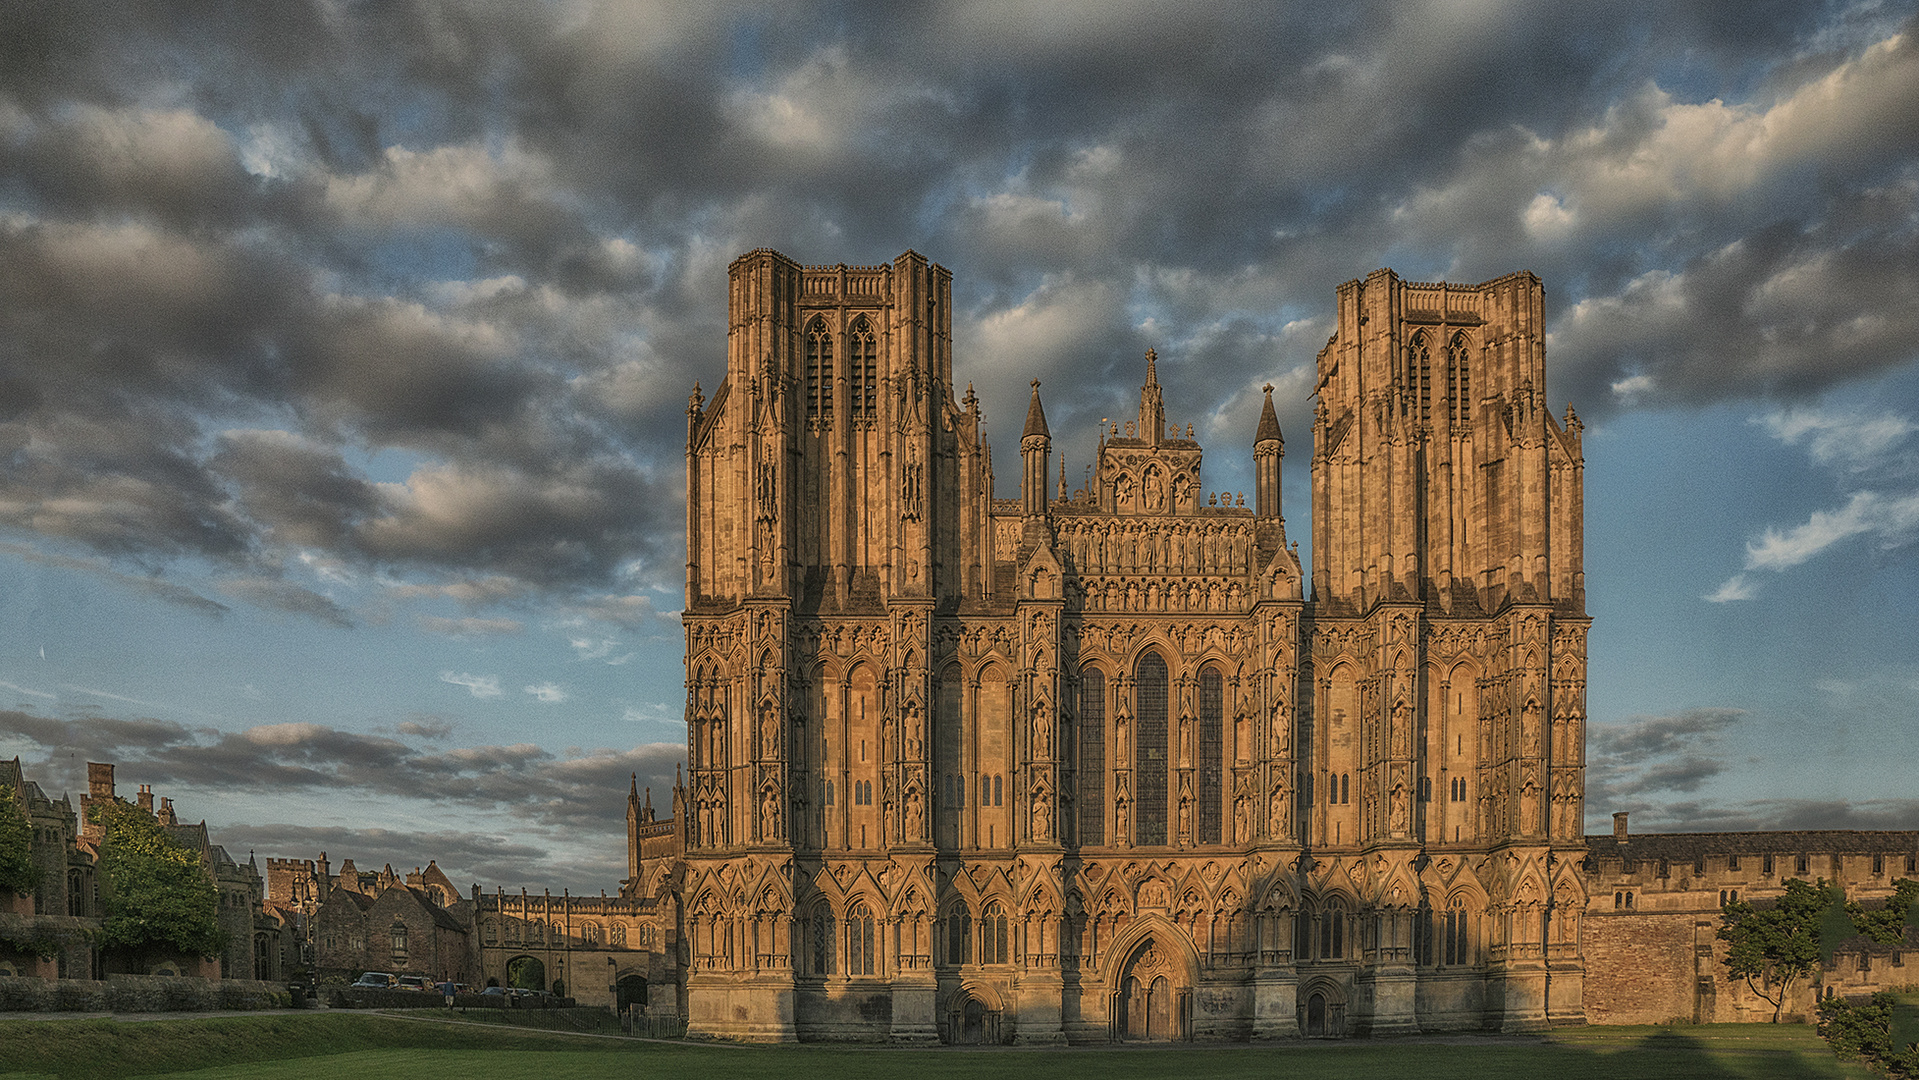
1211	753
1459	379
1419	374
1092	756
819	372
864	372
859	941
1149	765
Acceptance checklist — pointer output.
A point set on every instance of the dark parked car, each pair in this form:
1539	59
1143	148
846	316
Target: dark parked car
378	980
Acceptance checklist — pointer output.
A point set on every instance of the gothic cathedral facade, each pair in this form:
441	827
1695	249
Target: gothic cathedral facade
1107	764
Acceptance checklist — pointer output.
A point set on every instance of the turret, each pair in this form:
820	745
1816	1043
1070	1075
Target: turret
1152	408
1035	447
1268	449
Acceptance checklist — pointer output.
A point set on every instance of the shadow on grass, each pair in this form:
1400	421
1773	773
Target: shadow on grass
269	1048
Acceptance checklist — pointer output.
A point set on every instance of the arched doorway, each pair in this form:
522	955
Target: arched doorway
972	1022
526	973
1150	1005
1323	1013
630	992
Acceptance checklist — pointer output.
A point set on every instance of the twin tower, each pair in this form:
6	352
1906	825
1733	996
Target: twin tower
1105	764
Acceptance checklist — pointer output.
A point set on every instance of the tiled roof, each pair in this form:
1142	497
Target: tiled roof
1640	847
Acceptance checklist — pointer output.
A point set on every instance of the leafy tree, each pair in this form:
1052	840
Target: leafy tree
1774	947
1863	1031
1887	924
17	870
156	892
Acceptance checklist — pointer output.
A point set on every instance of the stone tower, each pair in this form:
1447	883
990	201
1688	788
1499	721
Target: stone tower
1449	640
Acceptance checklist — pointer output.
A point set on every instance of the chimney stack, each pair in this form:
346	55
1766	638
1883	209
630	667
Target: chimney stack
1619	826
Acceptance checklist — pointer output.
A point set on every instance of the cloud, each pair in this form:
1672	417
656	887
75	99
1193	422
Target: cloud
1855	442
276	595
1646	755
1737	587
480	686
470	626
1892	520
550	693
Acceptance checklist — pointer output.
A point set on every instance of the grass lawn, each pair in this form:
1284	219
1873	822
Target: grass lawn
269	1048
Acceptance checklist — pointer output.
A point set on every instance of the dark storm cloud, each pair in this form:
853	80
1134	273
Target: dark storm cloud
1777	814
245	253
574	790
1645	755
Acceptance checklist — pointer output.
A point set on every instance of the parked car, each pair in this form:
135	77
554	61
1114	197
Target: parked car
494	991
414	982
378	980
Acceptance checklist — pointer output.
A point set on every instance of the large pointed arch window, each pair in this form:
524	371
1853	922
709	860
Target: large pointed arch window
1211	752
859	941
819	372
992	938
1092	756
959	934
1419	373
1459	384
1149	746
862	369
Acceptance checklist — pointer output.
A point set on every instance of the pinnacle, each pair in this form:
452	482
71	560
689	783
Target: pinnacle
1268	421
1035	416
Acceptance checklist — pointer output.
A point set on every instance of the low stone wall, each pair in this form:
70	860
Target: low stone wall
138	993
360	997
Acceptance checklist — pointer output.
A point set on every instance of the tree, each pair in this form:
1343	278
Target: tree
17	870
1774	947
156	892
1863	1031
1887	924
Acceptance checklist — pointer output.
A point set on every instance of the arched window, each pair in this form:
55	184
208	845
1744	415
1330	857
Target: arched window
959	934
823	946
859	941
1092	756
992	936
947	723
1423	936
819	372
1459	380
860	355
1211	754
1332	933
1419	374
1453	929
1303	930
1149	746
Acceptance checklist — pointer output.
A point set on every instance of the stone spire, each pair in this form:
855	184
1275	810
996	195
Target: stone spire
1152	408
1268	422
1035	417
1268	448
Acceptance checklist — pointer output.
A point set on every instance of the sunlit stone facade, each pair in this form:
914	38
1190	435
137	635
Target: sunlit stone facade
1104	764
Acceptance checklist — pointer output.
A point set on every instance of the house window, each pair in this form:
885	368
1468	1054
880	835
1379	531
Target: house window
1878	864
397	935
619	935
1802	864
1765	865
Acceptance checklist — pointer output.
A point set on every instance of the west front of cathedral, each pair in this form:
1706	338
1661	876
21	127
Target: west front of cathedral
1108	764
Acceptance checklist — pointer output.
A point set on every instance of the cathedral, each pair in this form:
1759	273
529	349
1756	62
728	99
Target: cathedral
1112	764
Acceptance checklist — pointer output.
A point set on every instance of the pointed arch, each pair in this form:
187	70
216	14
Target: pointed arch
862	370
1210	754
1152	714
1459	385
1091	715
1419	374
819	371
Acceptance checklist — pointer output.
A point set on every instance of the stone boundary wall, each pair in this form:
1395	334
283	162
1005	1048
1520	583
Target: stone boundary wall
137	993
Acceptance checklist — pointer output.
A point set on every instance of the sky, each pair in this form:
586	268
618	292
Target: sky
345	351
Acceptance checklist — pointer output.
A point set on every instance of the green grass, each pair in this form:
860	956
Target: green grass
270	1048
